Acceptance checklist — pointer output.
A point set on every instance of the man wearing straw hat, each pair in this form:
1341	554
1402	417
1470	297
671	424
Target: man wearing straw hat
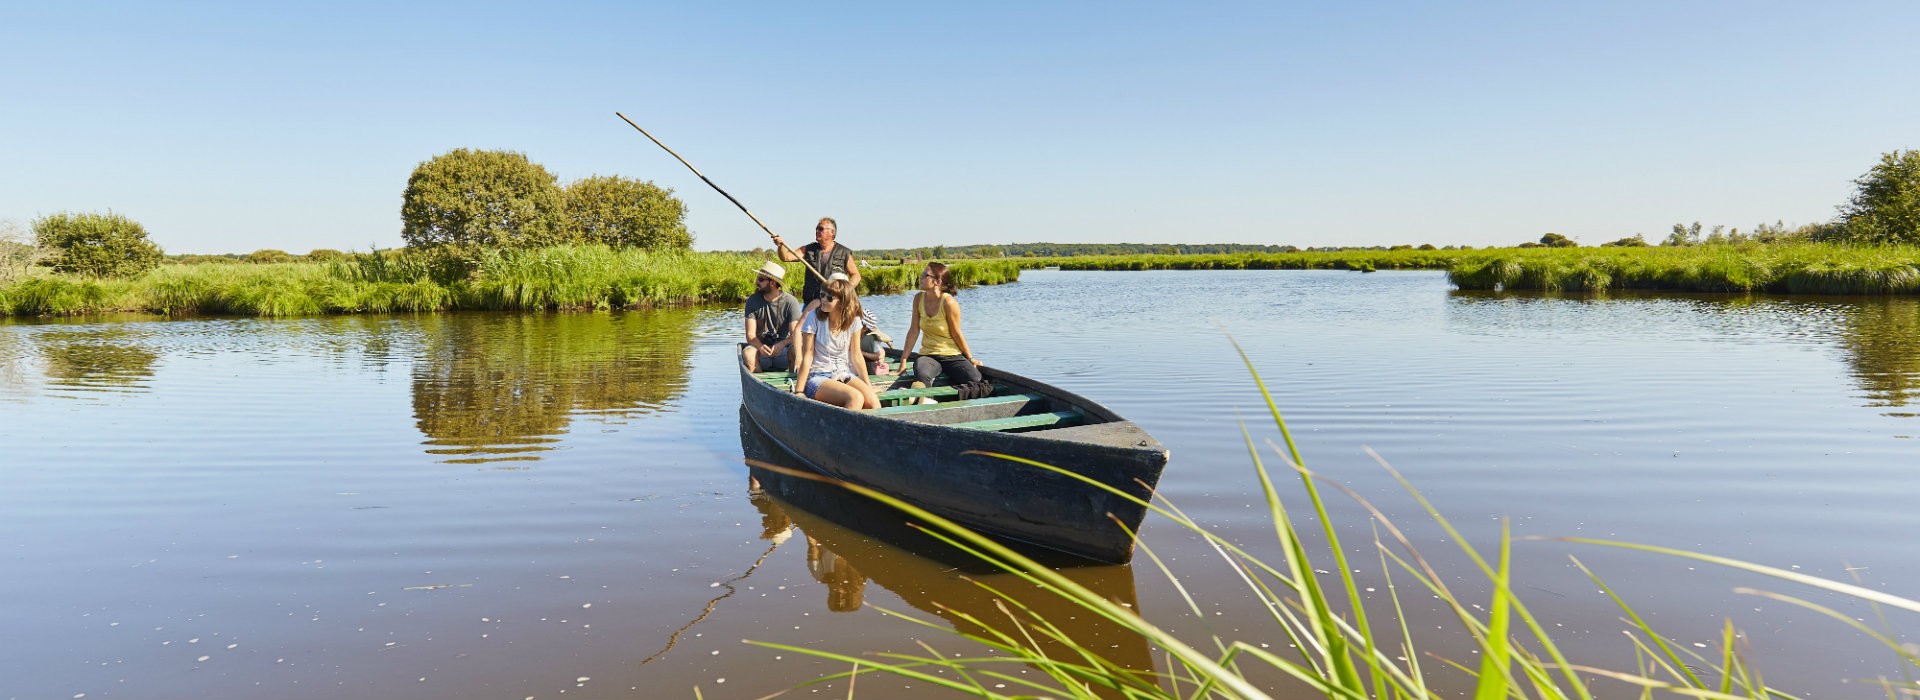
773	319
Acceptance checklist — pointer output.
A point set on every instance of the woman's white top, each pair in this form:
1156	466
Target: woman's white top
830	349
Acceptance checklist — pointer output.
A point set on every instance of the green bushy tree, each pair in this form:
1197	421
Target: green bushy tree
265	256
1634	241
1554	240
475	198
1886	207
626	213
97	245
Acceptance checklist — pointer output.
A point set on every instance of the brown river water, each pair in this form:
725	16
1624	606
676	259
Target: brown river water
556	505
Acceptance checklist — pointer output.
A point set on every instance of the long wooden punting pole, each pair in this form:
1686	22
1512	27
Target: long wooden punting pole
723	193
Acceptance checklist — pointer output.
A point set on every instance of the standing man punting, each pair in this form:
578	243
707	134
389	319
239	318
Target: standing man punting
824	255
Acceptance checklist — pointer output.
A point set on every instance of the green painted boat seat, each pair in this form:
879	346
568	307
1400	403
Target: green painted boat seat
784	380
933	392
949	405
1019	422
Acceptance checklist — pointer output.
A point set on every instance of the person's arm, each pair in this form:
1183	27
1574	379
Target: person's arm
802	356
953	327
753	337
853	270
786	254
913	333
793	330
861	370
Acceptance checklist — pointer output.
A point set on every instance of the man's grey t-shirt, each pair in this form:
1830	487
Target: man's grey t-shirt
772	319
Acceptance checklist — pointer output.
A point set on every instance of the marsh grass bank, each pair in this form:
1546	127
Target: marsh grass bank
1785	268
564	277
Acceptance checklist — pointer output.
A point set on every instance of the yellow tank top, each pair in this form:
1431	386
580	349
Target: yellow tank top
935	338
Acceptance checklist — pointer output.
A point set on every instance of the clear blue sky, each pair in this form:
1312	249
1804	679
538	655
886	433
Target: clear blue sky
234	127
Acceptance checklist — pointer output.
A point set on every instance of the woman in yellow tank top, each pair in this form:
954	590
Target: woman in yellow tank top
936	320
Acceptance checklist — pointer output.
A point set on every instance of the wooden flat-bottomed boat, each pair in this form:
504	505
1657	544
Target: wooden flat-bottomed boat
919	452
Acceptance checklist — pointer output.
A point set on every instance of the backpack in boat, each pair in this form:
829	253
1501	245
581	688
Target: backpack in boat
974	390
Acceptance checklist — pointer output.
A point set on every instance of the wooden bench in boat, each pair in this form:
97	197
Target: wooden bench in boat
1033	420
897	402
784	379
950	405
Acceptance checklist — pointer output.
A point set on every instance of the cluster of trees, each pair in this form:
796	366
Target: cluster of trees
487	199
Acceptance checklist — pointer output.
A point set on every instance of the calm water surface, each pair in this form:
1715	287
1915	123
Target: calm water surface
556	505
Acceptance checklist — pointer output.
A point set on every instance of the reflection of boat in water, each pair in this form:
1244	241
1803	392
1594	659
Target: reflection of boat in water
922	454
852	540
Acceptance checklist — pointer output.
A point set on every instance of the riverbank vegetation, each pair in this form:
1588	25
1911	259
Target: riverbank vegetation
439	279
1323	636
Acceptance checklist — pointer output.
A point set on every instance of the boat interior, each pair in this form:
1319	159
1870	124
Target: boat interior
1011	408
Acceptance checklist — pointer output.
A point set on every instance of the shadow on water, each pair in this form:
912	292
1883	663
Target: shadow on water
852	541
501	388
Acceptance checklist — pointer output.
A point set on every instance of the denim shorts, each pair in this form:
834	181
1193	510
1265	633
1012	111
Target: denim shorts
815	380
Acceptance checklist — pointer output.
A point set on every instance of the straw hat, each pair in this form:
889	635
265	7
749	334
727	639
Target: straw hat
774	270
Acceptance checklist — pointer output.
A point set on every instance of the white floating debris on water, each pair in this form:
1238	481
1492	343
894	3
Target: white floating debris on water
582	679
230	646
204	658
195	640
1703	646
586	605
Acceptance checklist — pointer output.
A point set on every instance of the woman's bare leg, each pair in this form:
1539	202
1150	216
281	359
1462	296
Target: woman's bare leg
838	394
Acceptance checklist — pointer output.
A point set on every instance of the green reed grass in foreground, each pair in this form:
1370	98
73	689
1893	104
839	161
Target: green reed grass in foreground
565	277
1336	647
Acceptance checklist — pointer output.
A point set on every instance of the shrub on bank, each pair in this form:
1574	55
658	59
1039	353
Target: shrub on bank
97	245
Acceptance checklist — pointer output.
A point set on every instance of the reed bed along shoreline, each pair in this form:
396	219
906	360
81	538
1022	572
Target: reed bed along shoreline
595	277
560	278
1783	268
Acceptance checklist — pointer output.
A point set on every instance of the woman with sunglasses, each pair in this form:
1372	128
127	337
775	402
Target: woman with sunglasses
827	368
936	322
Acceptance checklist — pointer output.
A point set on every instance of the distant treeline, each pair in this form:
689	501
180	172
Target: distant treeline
1051	250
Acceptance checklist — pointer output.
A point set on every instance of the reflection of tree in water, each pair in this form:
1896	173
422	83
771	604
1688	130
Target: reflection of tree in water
14	381
499	388
96	360
1882	340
